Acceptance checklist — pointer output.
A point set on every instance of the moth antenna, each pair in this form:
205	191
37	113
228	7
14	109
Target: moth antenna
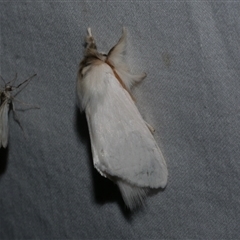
25	81
89	32
91	45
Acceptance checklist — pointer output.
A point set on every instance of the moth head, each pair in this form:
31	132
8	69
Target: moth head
8	88
103	56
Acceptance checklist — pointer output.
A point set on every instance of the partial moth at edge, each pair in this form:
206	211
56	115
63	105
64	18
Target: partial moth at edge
6	104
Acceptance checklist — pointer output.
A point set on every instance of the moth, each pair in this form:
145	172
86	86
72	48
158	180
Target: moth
122	143
7	101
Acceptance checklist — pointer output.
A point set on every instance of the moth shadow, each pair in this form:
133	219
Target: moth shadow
3	160
104	189
82	128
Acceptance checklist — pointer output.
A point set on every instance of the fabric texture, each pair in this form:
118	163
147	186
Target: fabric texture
190	51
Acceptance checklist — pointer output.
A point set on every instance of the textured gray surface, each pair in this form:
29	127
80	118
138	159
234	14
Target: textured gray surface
191	53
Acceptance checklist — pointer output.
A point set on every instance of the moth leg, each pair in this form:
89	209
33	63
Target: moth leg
27	104
152	130
15	116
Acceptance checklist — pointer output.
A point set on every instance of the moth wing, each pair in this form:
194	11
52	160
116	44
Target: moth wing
116	58
4	124
122	145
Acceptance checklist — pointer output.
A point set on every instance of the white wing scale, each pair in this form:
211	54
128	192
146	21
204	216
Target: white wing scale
123	147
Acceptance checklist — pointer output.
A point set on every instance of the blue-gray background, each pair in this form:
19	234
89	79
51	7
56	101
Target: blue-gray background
190	51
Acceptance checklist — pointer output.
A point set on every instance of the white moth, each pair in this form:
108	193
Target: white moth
123	146
6	100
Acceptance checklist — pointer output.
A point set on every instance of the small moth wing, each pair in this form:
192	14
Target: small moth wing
122	145
116	59
4	124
